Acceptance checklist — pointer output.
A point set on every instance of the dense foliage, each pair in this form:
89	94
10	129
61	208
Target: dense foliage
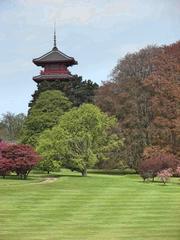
81	137
5	167
18	158
144	94
78	90
3	145
44	114
49	165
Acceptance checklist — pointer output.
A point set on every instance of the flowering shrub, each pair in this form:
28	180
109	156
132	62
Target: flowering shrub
151	166
177	172
165	175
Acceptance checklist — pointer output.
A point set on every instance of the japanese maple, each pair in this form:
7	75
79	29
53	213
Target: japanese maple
23	158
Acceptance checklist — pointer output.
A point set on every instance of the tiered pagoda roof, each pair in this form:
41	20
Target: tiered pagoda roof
55	64
54	56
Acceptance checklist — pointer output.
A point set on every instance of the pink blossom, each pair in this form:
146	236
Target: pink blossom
165	175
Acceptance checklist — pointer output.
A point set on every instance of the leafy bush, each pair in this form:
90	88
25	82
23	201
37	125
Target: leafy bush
18	158
3	145
5	167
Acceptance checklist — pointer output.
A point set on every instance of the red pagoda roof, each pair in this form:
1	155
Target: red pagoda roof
54	56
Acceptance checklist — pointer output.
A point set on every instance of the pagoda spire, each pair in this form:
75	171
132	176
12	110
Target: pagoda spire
55	45
55	35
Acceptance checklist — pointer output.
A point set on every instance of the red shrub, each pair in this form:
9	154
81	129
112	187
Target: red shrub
3	145
5	167
23	158
150	167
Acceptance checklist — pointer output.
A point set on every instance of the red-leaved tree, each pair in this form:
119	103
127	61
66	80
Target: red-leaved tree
22	157
3	145
144	94
5	167
155	162
5	164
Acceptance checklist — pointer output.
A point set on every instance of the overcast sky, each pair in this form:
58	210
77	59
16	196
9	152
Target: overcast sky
96	33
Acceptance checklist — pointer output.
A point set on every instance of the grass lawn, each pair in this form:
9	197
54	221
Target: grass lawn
98	207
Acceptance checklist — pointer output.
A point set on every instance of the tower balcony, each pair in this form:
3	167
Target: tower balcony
54	71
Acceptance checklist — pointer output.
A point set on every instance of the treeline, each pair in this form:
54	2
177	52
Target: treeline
52	102
11	126
143	95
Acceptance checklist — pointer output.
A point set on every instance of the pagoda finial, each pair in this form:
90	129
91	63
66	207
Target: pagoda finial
54	34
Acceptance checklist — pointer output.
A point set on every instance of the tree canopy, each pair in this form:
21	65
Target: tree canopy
17	158
44	114
81	137
79	91
144	94
11	125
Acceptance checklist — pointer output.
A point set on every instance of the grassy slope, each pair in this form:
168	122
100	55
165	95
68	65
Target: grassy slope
98	207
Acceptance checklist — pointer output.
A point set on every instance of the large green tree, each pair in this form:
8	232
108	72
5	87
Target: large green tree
82	137
77	90
44	114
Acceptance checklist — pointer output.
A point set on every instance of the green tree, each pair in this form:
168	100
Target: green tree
11	125
44	114
77	90
49	165
81	138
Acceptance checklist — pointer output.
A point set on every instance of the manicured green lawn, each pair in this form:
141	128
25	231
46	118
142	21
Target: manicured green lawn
98	207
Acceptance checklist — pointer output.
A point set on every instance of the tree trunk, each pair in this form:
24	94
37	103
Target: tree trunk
84	172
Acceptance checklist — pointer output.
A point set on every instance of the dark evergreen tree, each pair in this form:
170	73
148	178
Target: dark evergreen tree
44	114
78	90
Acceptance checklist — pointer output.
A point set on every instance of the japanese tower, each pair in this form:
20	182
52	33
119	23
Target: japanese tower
55	64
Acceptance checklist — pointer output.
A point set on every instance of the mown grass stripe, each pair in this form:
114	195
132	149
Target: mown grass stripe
93	208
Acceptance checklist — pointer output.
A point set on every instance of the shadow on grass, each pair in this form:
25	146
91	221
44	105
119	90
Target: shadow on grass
74	176
15	177
31	176
159	183
113	172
